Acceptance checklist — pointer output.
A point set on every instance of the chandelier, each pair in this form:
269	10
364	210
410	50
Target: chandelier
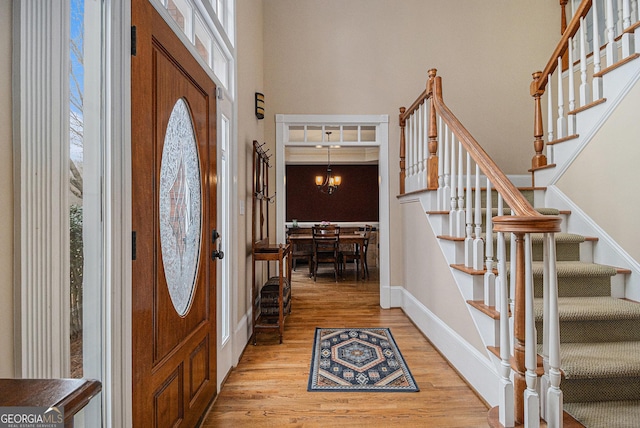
330	183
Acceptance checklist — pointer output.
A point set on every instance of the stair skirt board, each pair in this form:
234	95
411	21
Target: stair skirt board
474	366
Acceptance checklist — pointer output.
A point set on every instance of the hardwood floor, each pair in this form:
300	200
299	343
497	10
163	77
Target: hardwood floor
268	388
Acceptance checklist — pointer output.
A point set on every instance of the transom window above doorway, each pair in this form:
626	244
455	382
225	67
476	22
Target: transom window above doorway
340	134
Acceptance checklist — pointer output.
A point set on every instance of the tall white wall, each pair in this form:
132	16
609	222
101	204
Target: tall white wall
372	56
6	196
603	181
250	80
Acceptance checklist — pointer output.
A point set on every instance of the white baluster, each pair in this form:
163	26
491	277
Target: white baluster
597	81
502	257
446	191
409	157
619	19
489	275
554	399
425	143
414	149
478	243
454	202
544	380
422	143
460	225
441	161
506	400
571	118
584	88
611	48
531	397
627	40
468	241
562	121
634	11
550	121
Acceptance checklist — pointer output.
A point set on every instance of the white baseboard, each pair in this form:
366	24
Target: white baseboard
476	368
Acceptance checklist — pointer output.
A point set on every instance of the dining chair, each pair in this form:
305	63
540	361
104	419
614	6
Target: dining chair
367	236
326	240
300	251
352	253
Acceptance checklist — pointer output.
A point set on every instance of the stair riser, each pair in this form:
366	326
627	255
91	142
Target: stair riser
607	389
577	287
565	252
596	331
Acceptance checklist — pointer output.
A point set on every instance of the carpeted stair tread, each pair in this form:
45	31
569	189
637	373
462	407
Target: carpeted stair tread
577	269
592	309
610	414
605	360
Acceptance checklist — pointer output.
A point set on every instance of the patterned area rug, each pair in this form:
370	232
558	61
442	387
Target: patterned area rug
358	359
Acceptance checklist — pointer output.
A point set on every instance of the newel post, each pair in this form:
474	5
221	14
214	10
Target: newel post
402	150
539	159
432	161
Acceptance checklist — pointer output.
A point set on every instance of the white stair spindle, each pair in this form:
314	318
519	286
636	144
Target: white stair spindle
441	161
550	121
489	275
562	121
597	81
422	179
554	399
585	96
506	399
502	257
414	145
571	118
531	397
468	241
478	242
619	18
611	48
446	191
409	158
460	221
425	143
454	201
544	380
627	41
634	11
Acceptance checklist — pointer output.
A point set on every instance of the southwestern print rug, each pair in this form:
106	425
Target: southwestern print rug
358	359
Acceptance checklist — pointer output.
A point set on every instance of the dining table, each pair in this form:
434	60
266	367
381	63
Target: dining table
357	238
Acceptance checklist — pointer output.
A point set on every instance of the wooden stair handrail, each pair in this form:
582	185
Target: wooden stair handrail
502	184
526	220
561	48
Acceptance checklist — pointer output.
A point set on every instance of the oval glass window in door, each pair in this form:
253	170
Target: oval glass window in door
180	207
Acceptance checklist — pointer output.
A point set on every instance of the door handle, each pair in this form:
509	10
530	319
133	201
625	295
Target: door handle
216	254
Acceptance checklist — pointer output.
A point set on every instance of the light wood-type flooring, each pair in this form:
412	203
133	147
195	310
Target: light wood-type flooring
268	388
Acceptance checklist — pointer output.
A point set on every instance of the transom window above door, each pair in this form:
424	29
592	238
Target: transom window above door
339	134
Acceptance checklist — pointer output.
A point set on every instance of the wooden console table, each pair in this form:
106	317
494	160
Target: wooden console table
70	394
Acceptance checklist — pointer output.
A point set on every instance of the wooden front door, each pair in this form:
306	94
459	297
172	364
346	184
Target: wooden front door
174	218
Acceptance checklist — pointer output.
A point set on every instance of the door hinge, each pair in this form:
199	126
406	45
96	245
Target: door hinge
133	245
134	41
219	93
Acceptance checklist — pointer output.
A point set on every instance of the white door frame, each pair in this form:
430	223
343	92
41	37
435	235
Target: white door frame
381	122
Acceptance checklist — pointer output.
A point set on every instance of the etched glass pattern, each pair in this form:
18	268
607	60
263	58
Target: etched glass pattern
180	207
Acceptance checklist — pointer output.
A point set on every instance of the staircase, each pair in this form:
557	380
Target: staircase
571	339
600	334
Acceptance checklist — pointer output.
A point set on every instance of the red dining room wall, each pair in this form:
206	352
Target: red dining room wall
356	200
